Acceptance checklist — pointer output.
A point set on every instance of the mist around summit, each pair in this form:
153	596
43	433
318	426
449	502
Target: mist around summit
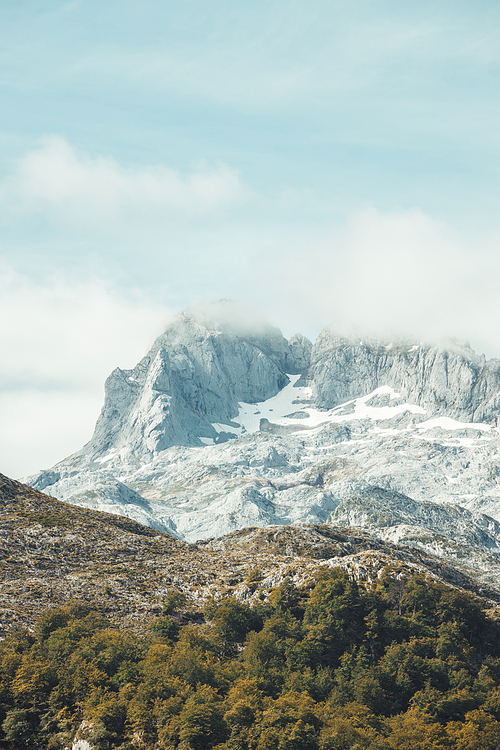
387	275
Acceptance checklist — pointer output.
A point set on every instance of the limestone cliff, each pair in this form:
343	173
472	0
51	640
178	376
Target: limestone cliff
453	381
206	362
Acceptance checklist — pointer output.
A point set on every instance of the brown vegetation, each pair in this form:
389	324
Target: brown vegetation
52	553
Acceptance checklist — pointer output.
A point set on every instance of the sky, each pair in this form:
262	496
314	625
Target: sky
329	162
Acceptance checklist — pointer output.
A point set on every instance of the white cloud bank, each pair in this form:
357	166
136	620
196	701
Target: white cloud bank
386	274
59	340
75	189
405	274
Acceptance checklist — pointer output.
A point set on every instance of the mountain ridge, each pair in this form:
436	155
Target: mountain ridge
223	425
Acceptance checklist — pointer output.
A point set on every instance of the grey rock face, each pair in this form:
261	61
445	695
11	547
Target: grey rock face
378	508
453	381
213	357
196	373
298	356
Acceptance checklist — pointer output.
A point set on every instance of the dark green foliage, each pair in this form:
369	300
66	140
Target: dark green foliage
17	727
201	719
334	617
231	621
406	664
174	600
165	627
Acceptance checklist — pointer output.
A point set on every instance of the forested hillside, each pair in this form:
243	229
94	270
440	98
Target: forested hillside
404	664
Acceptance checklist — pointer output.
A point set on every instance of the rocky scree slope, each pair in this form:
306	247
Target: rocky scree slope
52	552
225	424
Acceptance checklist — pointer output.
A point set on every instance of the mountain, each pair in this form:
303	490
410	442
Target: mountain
193	379
52	553
225	424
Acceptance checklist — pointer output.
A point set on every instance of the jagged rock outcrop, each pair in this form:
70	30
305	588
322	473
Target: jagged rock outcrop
208	360
453	380
381	508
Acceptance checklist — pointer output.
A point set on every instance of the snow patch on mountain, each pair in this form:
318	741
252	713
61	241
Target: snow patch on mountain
294	405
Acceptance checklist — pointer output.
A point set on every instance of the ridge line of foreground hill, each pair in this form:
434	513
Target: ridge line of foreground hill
52	552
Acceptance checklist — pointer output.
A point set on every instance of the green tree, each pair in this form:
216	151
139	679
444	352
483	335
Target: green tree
18	728
334	617
202	723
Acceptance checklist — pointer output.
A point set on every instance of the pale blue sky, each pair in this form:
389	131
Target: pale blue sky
329	161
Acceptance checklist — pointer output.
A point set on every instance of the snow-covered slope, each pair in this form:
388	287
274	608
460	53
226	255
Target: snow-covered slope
223	426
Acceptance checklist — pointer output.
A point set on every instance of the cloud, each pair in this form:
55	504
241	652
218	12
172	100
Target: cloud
76	189
386	274
405	274
37	428
59	340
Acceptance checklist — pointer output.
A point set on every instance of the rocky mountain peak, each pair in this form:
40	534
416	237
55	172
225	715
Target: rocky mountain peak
208	360
224	424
